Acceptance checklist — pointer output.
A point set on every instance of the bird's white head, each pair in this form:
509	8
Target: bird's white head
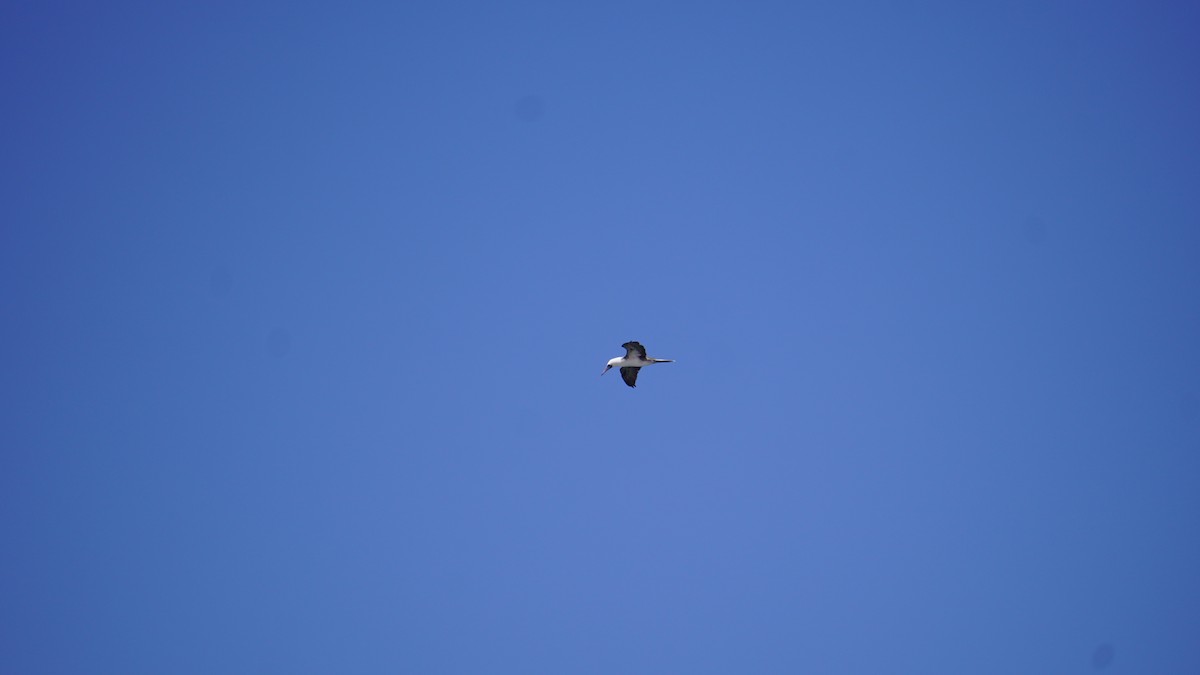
611	363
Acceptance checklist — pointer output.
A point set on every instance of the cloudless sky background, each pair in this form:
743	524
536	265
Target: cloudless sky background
305	305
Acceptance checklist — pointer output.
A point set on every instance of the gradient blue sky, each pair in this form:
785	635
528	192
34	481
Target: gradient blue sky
305	304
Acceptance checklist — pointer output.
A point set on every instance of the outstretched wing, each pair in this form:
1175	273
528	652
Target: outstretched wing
634	349
630	375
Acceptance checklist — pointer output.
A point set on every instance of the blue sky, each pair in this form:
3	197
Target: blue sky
305	308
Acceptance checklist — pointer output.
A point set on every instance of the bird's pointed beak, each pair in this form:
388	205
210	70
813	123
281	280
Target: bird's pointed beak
606	369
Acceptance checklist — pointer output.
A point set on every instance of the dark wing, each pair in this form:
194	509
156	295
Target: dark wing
632	348
630	375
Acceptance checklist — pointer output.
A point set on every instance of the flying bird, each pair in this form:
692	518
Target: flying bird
635	357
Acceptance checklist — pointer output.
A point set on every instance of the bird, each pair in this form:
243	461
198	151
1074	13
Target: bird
635	357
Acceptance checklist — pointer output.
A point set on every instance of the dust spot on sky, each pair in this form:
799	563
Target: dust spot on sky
530	108
1035	230
1102	656
279	342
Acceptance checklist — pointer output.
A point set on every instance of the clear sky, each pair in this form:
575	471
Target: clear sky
304	308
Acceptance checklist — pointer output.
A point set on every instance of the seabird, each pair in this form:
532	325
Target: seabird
635	357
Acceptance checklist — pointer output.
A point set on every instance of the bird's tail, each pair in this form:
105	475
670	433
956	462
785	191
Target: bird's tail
663	360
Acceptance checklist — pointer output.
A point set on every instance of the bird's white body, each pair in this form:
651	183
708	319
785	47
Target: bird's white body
635	358
629	362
